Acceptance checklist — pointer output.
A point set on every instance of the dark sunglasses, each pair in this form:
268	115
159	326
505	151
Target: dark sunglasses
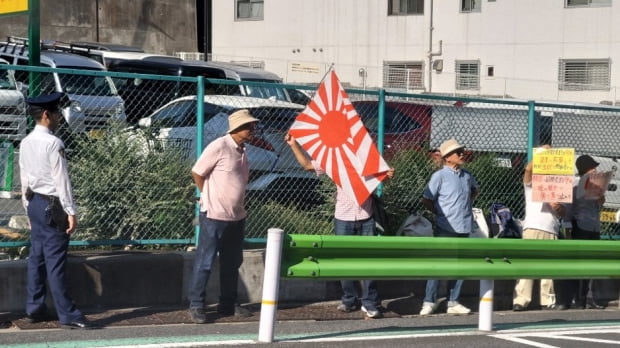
459	152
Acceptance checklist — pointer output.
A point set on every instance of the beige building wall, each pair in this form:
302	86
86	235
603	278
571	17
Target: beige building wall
522	41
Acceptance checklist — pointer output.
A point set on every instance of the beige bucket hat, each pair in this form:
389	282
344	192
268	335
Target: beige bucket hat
449	146
239	118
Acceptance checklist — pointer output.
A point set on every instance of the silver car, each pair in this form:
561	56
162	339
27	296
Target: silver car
94	101
175	123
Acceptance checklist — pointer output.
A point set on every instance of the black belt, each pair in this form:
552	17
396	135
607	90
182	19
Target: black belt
48	197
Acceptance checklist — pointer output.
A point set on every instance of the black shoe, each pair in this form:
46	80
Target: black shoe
591	304
198	314
237	311
518	308
36	318
78	324
561	307
346	308
554	307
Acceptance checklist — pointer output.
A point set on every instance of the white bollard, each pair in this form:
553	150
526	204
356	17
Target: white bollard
485	320
271	282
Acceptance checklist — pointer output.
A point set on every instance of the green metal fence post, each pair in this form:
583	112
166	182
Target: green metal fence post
531	123
200	120
381	130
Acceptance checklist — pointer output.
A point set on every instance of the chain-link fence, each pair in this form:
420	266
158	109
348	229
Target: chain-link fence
131	175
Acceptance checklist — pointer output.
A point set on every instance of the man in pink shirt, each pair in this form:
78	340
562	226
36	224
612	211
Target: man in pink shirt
349	219
221	175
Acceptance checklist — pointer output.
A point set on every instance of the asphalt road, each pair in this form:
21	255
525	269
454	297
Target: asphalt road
571	328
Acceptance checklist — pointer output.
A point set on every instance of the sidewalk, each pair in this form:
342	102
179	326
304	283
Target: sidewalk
321	311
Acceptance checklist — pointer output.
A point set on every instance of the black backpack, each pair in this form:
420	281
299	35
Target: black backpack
503	224
380	216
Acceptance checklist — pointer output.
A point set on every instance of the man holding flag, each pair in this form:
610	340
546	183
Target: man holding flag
333	134
350	219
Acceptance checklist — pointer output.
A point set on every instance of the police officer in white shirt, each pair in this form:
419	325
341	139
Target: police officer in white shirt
47	198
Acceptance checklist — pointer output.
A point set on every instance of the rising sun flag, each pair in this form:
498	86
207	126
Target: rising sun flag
332	133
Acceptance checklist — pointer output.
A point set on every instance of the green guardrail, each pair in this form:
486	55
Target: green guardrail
362	257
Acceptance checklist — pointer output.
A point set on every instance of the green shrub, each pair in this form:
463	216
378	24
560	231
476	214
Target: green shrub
402	194
261	217
498	184
125	190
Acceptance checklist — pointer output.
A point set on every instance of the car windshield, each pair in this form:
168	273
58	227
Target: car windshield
87	85
6	80
266	92
183	114
275	119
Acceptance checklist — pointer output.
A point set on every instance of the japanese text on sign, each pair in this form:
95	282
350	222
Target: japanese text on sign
552	188
558	161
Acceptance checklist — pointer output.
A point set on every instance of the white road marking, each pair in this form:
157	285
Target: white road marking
570	334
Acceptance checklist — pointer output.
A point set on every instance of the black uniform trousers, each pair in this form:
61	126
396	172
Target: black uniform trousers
47	261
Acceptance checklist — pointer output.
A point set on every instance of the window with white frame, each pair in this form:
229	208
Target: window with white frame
584	74
249	9
403	75
471	5
467	74
587	3
405	7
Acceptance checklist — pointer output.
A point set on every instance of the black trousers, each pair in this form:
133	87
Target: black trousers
567	290
47	263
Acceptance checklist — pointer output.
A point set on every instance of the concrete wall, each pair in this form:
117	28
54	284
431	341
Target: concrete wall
143	279
161	26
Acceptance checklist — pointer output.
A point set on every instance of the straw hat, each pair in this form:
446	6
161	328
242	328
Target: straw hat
449	146
239	118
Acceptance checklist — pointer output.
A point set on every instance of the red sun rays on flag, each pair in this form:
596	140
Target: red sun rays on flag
332	133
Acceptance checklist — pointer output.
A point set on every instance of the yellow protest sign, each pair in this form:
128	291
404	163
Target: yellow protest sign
560	161
13	6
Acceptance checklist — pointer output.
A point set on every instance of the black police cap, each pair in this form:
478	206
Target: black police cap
50	101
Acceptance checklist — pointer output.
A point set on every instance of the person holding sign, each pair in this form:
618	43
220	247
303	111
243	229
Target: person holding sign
542	221
588	199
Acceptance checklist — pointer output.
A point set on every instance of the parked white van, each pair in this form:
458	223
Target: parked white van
94	99
13	122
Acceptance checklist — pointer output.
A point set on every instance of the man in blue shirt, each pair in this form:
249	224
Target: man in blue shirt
449	195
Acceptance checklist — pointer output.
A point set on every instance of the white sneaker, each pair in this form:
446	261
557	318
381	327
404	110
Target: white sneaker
430	307
458	309
372	313
427	309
